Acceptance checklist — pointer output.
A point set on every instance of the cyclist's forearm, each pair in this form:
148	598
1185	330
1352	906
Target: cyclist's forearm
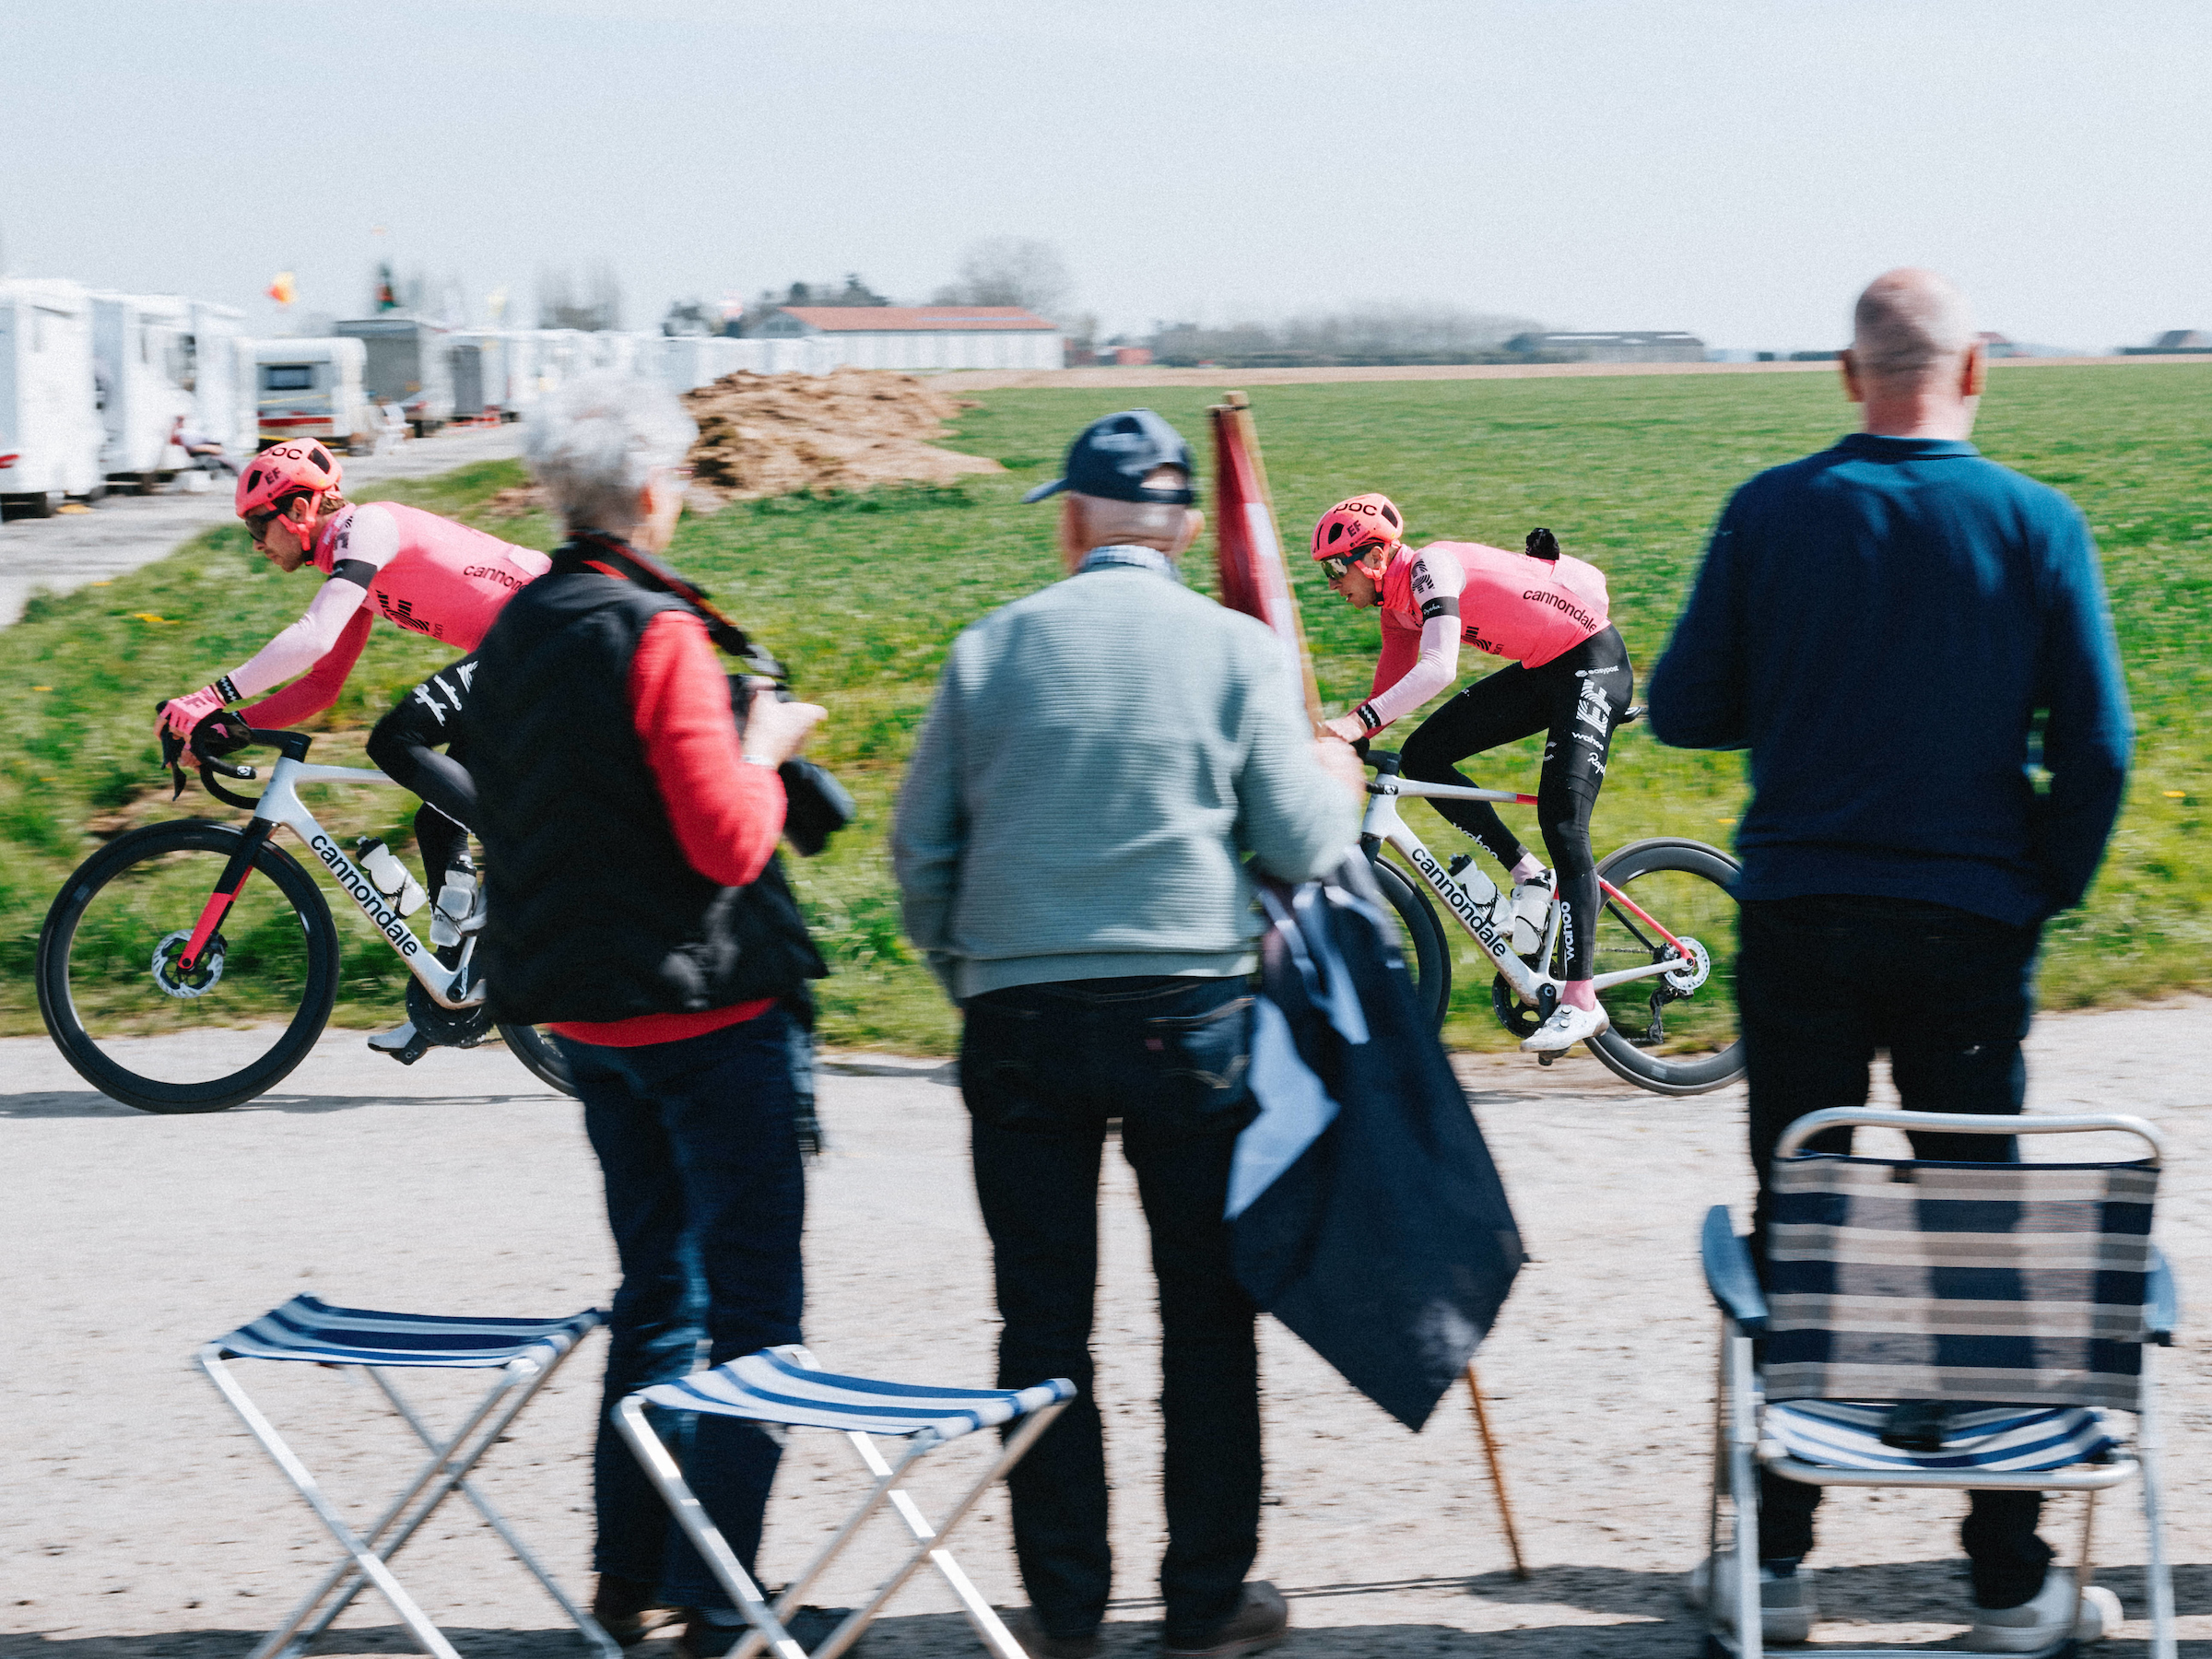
1432	671
304	699
305	642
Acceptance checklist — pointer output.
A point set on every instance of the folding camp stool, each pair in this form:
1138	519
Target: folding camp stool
783	1386
525	1352
2031	1284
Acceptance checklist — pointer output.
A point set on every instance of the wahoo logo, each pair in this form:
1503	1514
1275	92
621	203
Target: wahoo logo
363	893
1462	903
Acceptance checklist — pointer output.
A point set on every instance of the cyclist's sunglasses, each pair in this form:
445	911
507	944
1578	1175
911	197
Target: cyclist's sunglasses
258	525
1337	565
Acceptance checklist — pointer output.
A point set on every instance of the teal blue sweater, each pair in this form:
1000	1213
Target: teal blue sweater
1884	624
1100	760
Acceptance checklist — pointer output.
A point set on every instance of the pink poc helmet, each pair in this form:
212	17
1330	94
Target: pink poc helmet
297	466
1355	528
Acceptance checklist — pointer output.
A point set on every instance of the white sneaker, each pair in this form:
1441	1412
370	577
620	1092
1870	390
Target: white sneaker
1567	1026
1530	908
1787	1606
2033	1626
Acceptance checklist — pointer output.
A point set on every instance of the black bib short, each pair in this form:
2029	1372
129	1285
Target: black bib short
1577	698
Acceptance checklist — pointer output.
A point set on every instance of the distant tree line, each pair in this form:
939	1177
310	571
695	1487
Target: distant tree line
1369	335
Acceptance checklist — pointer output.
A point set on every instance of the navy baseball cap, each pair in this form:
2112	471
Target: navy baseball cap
1110	457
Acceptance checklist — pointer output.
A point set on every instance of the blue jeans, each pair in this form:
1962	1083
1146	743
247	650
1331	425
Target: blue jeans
706	1197
1823	981
1044	1068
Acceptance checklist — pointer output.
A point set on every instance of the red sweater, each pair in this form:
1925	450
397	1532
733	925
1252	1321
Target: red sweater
726	813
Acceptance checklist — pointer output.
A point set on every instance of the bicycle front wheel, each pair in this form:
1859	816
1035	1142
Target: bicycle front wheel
1673	1034
1421	937
141	1029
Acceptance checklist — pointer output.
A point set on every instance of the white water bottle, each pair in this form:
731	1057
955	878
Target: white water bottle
392	878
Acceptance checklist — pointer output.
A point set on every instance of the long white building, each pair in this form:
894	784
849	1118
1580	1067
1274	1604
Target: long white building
923	337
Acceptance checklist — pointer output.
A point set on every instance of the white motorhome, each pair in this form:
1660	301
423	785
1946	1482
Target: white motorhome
142	373
479	374
50	429
312	388
218	410
409	364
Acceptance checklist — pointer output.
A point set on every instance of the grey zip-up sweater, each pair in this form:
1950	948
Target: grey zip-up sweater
1100	760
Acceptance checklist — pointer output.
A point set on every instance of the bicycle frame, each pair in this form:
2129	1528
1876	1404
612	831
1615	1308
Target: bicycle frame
1470	901
279	805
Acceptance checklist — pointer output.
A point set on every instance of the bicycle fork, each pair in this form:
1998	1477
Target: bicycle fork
226	888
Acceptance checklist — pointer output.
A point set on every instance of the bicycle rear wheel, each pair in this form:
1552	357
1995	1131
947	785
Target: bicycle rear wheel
1427	952
141	1030
534	1046
1673	1034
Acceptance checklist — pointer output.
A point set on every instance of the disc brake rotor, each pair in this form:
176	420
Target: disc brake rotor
1694	972
174	981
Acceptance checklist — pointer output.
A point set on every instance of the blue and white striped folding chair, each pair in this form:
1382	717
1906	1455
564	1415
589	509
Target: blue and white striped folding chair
784	1386
525	1352
2030	1293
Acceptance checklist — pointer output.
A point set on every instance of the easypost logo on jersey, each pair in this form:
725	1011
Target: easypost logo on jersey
363	893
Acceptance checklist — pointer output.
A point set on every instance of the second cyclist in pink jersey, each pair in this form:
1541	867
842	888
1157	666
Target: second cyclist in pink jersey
1569	677
420	572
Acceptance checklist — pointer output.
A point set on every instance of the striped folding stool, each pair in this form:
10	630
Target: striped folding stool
783	1386
525	1352
2026	1297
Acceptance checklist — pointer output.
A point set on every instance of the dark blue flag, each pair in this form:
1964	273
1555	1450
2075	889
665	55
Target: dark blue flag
1366	1213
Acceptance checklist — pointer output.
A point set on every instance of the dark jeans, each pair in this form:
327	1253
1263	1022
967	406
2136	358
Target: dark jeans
705	1198
1044	1068
1821	984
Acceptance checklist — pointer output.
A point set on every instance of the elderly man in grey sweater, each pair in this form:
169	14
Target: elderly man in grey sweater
1102	759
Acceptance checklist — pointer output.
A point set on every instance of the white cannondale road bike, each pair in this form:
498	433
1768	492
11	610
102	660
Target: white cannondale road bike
1665	947
174	981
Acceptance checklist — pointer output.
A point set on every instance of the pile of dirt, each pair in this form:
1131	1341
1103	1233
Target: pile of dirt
784	434
777	434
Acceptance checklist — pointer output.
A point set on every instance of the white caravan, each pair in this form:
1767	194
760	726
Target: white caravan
142	374
312	388
219	409
50	430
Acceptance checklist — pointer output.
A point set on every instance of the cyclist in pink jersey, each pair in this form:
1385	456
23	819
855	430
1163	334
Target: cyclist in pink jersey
421	572
1570	678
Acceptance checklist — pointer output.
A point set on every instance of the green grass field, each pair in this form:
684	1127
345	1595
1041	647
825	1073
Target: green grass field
861	594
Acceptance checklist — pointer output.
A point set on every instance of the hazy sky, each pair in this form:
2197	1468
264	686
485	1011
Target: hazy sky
1737	168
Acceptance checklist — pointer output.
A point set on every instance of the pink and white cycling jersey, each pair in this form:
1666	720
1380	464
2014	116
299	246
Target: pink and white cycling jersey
1510	605
427	574
424	573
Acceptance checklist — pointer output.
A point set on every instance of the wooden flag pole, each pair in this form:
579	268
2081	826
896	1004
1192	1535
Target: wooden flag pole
1236	439
1489	1446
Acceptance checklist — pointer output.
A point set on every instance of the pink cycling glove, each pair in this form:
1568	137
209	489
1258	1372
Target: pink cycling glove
183	713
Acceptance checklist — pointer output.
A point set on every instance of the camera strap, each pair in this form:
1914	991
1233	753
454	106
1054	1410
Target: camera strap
648	571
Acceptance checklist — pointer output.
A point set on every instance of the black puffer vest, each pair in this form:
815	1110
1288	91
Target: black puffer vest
594	913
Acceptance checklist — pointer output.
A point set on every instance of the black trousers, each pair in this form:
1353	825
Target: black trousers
1044	1068
1821	984
1578	699
404	746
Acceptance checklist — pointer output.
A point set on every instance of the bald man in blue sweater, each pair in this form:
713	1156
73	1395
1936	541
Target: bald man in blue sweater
1900	631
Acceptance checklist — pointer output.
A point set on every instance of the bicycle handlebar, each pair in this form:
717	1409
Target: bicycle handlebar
233	734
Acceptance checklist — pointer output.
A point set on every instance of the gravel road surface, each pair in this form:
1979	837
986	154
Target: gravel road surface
137	1521
63	553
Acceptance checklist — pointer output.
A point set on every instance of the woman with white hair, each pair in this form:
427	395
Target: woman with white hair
630	827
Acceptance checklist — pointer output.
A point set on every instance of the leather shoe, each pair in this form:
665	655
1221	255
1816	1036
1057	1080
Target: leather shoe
628	1610
1260	1622
1030	1636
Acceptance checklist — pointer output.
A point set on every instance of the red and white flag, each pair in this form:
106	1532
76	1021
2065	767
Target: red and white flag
1249	553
